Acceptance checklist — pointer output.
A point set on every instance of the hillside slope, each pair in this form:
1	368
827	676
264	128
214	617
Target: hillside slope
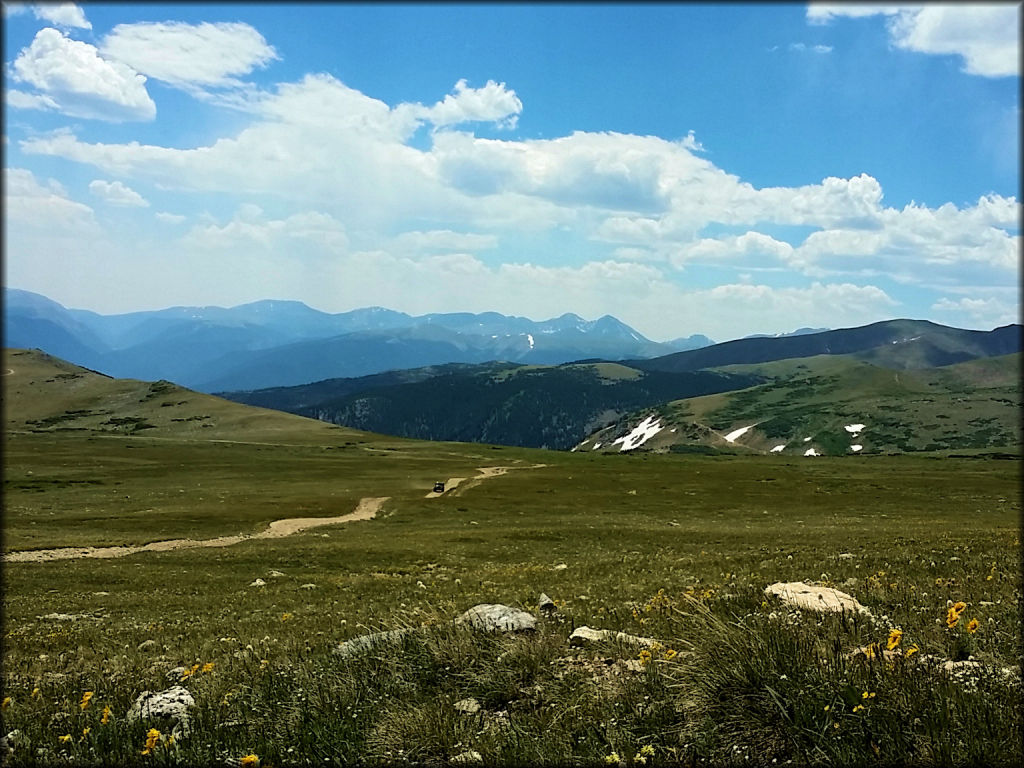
530	406
43	393
838	405
900	344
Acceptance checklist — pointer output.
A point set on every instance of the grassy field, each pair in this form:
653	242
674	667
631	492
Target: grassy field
677	548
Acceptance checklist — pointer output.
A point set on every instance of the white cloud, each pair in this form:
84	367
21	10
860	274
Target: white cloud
986	36
206	54
443	240
117	193
811	48
46	208
61	14
492	103
75	80
170	218
250	228
983	313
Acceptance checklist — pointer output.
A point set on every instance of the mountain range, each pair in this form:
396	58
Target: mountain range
280	343
562	406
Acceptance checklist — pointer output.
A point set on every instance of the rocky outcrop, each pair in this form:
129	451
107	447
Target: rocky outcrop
810	598
494	617
168	709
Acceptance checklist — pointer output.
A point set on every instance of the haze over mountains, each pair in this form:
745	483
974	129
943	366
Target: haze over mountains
280	343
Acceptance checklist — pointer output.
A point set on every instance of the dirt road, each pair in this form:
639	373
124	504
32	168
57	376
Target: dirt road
367	508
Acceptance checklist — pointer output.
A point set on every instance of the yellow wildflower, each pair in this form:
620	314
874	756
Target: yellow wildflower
208	666
952	617
6	702
647	750
85	699
858	708
612	759
959	607
867	695
670	654
972	626
65	738
106	715
152	737
264	662
645	656
251	759
894	639
911	651
285	616
85	731
828	707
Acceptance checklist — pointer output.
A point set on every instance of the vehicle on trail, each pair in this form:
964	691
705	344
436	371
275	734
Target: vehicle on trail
438	487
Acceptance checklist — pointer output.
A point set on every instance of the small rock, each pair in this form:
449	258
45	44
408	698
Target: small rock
467	706
175	674
559	567
258	583
468	757
820	599
169	708
545	604
494	617
275	575
64	617
584	635
308	586
146	645
846	556
366	642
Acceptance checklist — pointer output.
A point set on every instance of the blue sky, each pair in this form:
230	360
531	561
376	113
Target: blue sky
721	169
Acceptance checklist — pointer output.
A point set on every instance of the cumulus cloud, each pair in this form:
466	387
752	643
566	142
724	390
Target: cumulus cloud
62	14
184	55
75	80
984	313
325	146
250	228
443	240
491	103
117	193
985	36
43	207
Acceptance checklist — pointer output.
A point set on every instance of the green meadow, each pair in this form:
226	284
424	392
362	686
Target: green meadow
675	548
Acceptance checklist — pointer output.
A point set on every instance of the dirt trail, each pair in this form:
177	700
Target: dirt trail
367	508
485	473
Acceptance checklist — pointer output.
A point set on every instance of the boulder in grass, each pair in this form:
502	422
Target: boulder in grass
168	709
796	594
368	642
546	605
584	635
494	617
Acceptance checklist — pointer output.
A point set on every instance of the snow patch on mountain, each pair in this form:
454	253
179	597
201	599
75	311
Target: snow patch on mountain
643	432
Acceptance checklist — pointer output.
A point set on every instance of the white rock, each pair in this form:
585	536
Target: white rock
467	706
258	583
559	567
367	642
308	586
820	599
469	757
169	708
494	617
583	635
275	575
545	604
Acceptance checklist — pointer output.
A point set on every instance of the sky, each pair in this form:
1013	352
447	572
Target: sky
719	169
